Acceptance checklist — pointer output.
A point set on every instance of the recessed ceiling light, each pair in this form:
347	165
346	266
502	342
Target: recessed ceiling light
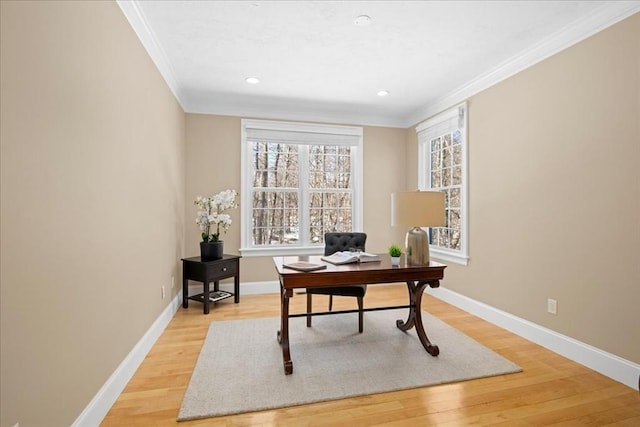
383	92
252	80
362	20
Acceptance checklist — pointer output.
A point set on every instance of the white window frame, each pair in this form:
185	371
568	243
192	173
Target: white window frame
447	121
305	134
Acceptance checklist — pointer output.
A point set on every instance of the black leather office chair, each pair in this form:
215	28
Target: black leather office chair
335	242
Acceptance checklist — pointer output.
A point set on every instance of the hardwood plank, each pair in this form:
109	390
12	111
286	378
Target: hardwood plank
550	390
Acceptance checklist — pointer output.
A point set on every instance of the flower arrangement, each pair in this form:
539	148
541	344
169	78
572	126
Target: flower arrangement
210	212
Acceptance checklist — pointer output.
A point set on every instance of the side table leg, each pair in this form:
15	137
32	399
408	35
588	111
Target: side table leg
236	288
185	292
205	297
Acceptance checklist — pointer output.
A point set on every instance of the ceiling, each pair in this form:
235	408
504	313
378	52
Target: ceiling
316	64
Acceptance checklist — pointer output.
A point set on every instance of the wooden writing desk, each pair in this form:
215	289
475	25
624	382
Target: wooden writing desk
417	279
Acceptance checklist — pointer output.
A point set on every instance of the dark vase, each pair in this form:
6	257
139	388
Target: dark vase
210	251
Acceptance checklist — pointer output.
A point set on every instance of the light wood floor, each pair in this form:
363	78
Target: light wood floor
551	390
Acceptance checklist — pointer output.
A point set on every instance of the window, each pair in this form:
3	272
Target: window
299	181
442	166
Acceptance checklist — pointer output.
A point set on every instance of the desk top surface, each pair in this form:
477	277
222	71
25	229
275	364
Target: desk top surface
355	273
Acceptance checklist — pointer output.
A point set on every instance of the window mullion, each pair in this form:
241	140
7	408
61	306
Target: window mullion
303	194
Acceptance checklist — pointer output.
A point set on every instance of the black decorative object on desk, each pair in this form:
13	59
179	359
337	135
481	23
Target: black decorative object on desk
211	251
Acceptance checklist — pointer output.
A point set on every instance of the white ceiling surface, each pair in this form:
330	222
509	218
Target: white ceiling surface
315	64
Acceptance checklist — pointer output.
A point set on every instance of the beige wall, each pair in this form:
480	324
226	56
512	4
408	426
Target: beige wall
100	167
92	203
213	164
554	193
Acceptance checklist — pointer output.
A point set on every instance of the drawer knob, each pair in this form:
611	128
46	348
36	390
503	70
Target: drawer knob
224	268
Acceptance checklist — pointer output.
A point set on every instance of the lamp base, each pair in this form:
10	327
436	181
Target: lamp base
417	247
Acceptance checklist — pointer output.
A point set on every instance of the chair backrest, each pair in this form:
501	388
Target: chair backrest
335	242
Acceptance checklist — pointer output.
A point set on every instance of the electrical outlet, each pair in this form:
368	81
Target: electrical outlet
552	306
163	292
173	281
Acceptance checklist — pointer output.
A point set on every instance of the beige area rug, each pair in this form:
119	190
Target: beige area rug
240	366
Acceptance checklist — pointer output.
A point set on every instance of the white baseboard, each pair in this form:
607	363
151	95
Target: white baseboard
97	409
95	412
252	288
614	367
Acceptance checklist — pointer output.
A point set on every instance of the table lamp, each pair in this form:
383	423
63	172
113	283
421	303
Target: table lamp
417	209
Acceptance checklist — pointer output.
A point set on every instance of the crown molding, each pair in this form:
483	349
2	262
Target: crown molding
131	10
605	16
290	110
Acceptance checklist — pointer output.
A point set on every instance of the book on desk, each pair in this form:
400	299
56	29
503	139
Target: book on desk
344	257
304	266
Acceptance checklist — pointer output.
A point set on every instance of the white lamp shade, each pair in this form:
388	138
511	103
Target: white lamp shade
418	209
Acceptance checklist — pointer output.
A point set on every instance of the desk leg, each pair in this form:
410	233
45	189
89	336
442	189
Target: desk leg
415	316
283	333
205	297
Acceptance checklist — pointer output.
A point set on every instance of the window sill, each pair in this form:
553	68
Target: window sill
282	251
448	256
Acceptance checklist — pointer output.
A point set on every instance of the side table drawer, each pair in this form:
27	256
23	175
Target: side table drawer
224	269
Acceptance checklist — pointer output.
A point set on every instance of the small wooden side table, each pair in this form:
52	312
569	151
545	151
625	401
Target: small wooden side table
210	271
